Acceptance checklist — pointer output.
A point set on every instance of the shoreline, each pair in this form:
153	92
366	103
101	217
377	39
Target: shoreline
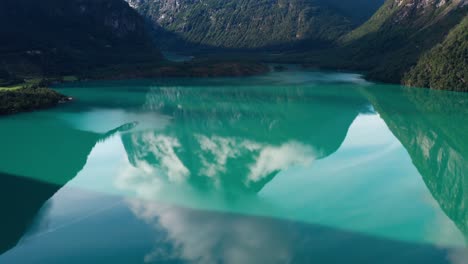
26	97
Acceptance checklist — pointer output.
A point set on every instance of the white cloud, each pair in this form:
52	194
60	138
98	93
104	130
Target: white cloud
162	149
202	237
273	159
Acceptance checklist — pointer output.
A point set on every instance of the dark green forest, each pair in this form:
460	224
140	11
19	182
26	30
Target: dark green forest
446	65
27	99
54	37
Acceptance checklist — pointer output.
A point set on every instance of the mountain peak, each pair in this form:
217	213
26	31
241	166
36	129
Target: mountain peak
409	8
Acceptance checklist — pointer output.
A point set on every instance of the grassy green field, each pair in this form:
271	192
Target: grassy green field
11	88
27	82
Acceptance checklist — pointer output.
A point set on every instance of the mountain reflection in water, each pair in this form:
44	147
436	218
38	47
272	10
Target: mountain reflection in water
240	144
29	168
433	127
257	171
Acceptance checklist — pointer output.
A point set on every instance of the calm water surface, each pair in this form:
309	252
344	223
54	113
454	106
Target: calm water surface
290	167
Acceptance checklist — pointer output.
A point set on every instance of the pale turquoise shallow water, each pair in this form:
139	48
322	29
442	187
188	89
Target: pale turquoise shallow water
290	167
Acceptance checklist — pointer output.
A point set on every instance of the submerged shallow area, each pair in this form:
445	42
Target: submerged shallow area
288	167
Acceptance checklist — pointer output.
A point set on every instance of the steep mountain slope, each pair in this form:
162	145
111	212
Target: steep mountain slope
392	41
56	37
247	24
446	65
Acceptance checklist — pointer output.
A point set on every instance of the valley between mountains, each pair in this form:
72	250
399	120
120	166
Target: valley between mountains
419	43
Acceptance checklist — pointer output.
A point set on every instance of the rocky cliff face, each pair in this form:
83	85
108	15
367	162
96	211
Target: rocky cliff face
421	8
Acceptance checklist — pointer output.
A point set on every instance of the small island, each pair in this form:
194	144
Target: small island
28	98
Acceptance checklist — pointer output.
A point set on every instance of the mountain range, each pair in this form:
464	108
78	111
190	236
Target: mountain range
415	42
252	24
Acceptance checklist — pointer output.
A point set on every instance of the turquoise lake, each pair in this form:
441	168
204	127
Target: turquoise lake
288	167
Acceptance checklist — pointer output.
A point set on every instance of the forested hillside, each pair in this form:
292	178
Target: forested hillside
446	65
393	40
252	24
62	37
